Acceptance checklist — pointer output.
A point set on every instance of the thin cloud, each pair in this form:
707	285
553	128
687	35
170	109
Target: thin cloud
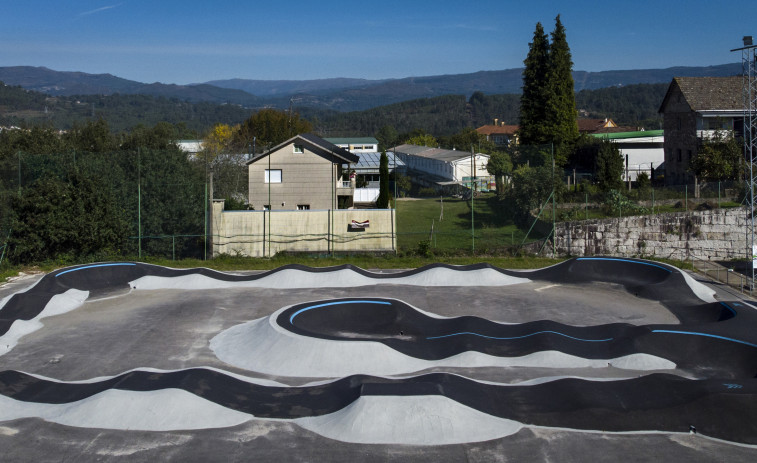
98	10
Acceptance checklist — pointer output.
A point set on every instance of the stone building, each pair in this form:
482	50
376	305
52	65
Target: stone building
694	108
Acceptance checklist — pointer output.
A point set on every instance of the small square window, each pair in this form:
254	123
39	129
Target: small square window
299	149
273	176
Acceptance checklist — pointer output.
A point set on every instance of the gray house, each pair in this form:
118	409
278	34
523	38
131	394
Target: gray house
694	108
304	173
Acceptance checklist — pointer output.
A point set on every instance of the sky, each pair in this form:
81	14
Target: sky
193	41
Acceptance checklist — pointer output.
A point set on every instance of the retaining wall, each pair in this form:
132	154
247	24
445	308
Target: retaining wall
711	235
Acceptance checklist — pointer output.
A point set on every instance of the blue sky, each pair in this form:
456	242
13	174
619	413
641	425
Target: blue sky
196	41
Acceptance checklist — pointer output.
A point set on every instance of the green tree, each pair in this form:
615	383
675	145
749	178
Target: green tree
382	202
387	137
162	136
93	136
719	158
270	127
562	112
537	92
609	166
403	183
421	138
531	188
500	165
65	218
548	103
467	138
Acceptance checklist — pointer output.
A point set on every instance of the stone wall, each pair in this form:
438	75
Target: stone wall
710	235
262	234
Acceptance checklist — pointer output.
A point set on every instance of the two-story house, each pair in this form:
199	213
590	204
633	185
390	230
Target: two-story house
499	133
305	172
693	109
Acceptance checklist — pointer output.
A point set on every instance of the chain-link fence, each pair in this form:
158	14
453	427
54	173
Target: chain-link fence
102	205
155	203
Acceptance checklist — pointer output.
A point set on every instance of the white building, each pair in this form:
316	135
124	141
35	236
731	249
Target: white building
644	149
445	167
356	145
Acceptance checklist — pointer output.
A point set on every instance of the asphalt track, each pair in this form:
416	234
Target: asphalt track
713	347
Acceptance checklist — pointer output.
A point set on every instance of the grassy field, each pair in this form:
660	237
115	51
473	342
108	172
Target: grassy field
451	222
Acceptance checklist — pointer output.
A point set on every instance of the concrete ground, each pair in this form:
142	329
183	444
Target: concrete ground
171	329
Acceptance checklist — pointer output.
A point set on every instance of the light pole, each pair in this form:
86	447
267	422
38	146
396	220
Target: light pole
749	89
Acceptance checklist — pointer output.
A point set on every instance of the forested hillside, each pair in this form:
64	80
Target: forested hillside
19	107
633	105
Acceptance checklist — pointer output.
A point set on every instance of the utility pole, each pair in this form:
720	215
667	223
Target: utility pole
472	186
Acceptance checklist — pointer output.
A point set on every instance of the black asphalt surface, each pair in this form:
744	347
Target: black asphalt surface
715	341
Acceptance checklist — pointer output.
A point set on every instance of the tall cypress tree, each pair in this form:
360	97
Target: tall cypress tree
562	110
382	202
535	98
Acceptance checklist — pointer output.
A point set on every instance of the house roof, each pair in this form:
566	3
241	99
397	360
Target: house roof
593	125
315	144
498	129
371	161
709	93
435	153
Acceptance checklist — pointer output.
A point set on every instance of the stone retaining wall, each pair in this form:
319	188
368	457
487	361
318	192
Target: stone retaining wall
710	235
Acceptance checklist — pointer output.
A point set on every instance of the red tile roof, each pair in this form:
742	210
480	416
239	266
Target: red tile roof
498	129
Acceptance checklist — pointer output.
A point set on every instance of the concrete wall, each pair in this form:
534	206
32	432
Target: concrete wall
715	234
259	233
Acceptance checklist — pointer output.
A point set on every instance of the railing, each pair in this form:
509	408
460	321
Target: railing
728	276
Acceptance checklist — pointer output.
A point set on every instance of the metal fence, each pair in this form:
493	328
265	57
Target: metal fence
144	193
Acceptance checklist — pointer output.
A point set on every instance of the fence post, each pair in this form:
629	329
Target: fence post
586	205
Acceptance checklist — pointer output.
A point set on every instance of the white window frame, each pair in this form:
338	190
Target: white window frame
276	178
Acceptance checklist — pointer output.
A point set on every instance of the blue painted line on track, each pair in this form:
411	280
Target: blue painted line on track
694	333
92	266
729	308
625	260
520	337
336	303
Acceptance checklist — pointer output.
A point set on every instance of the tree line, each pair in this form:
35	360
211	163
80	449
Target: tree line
633	105
90	194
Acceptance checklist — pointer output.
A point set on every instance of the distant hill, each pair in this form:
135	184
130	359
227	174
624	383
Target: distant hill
340	94
268	88
371	94
59	83
21	107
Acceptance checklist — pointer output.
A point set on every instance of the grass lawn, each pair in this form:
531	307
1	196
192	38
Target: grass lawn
452	229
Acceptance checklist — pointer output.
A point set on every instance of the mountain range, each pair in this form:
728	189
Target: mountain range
340	94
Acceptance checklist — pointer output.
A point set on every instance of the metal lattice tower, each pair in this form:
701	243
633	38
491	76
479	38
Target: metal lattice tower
748	54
